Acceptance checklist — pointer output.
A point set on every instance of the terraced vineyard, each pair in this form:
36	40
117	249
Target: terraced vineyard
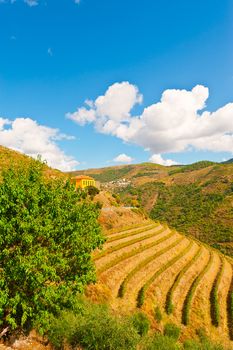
151	267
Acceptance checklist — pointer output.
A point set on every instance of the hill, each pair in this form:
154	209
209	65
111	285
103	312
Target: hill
147	265
196	199
170	277
130	172
228	161
10	158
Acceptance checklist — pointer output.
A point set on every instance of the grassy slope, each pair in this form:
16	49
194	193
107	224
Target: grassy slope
196	199
10	158
154	264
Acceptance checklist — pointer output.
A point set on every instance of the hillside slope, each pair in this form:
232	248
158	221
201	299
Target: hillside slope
10	158
171	277
196	199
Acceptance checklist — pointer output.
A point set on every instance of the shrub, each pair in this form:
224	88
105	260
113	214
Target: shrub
94	328
141	297
141	323
92	191
192	345
203	345
47	235
158	314
172	331
214	302
160	342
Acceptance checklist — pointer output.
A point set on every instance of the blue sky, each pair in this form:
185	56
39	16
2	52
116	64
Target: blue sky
56	54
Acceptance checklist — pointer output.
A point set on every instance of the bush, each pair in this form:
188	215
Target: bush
160	342
192	345
47	235
92	191
94	328
214	300
158	314
141	323
141	297
205	345
172	331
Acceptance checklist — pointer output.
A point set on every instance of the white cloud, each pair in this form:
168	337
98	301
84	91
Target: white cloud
27	136
109	110
50	51
157	158
176	123
31	3
123	158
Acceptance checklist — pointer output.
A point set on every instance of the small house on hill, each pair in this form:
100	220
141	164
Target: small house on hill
83	181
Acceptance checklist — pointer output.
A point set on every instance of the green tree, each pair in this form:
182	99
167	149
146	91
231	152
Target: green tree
47	234
92	191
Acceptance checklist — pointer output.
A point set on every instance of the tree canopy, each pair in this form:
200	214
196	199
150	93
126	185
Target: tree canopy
47	234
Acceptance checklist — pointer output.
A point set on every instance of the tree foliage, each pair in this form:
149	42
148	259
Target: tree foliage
47	234
192	210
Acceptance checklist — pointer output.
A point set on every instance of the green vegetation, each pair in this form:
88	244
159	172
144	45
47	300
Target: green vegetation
158	314
161	342
192	290
95	327
111	174
172	331
204	345
194	202
195	166
192	210
47	234
214	302
146	173
169	306
92	191
141	323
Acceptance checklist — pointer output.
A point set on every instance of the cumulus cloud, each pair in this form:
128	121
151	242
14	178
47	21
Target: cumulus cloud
27	136
176	123
30	3
110	110
158	159
123	158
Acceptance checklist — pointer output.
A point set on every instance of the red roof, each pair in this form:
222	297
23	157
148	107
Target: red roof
82	177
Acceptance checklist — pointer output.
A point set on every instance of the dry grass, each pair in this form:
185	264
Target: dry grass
156	261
